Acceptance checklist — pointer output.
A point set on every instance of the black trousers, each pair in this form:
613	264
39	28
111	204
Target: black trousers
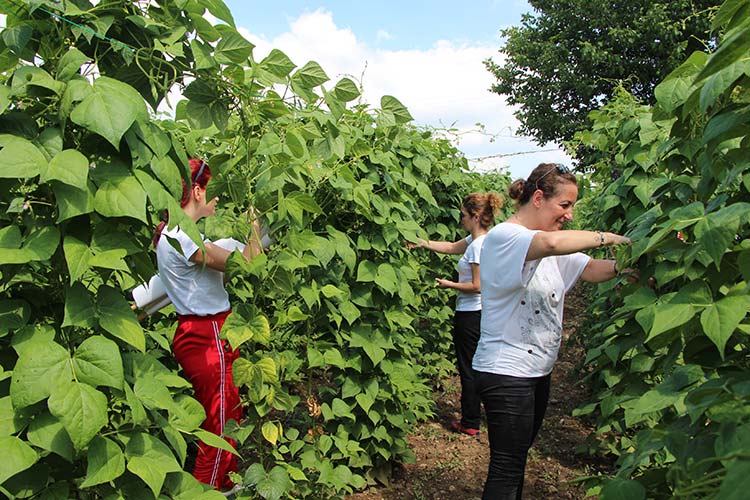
515	409
465	338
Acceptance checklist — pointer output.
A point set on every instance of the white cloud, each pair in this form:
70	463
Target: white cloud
445	85
383	35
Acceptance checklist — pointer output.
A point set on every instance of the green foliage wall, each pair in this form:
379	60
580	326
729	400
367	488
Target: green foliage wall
339	326
670	354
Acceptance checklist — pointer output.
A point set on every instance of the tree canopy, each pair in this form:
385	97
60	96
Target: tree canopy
566	58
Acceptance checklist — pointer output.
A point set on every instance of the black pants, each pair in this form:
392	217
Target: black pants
465	338
515	409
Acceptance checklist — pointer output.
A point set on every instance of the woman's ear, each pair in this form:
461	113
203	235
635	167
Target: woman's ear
196	192
537	198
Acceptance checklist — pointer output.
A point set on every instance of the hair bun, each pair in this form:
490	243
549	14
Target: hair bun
515	190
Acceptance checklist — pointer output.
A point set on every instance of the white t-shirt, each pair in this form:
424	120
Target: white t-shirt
522	303
469	301
192	288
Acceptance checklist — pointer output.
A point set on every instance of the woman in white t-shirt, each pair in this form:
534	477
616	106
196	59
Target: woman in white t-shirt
477	216
194	281
528	264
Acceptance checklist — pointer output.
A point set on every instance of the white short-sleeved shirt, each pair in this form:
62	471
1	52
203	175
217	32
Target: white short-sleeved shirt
192	288
469	301
522	303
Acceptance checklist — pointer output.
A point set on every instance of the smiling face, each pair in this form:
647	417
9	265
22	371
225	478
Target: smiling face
555	211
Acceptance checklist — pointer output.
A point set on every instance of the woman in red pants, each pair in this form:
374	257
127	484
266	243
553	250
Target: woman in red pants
194	282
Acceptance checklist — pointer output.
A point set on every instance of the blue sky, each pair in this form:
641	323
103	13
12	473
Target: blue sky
428	54
411	24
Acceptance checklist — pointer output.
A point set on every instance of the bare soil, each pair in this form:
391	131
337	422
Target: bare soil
453	466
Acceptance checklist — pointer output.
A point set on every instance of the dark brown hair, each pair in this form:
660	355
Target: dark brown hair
546	177
484	206
200	173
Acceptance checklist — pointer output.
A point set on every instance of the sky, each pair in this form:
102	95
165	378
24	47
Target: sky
427	54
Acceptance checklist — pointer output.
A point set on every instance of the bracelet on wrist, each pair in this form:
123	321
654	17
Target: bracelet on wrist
601	238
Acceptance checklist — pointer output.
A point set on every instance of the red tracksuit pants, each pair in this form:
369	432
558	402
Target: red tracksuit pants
207	363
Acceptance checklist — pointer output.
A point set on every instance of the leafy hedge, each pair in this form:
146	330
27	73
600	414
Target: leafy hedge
339	326
670	355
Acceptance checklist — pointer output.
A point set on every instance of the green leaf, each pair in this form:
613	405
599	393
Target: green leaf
722	81
19	158
10	421
731	49
34	76
365	401
239	330
270	486
79	307
70	64
77	256
47	432
349	311
81	409
13	315
270	432
17	457
121	197
668	316
372	344
4	99
212	439
386	278
244	372
97	361
151	460
367	271
296	143
110	109
674	90
219	9
168	173
331	291
270	144
199	115
72	202
153	393
190	417
310	75
116	317
720	319
268	369
38	370
16	38
202	55
105	462
69	167
277	63
736	482
394	106
622	489
232	48
346	90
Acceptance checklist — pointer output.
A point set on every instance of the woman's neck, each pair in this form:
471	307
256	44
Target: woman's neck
523	218
191	211
476	233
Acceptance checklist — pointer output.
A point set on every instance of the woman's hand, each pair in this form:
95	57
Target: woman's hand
612	239
419	244
443	283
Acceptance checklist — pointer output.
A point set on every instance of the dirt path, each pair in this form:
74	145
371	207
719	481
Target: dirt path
454	466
